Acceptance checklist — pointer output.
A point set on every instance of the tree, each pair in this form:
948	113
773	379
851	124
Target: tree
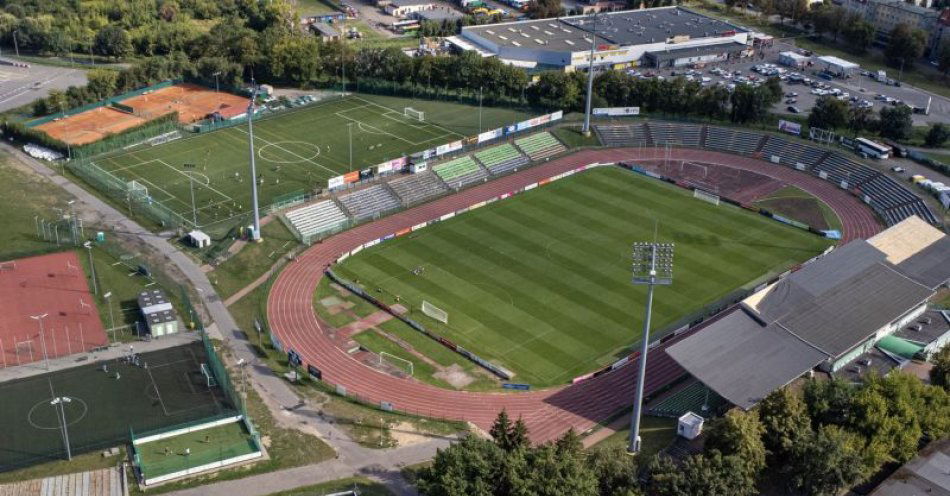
102	82
786	422
113	41
740	434
943	59
615	471
701	475
940	373
466	467
905	45
937	135
858	32
543	9
751	103
826	462
896	122
861	118
828	402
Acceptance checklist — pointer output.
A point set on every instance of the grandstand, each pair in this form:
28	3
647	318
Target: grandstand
692	397
417	188
460	172
892	202
369	203
318	218
540	146
502	158
830	314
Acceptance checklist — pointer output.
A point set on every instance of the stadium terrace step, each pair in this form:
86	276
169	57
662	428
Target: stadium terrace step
540	146
370	202
417	188
460	172
666	133
731	140
839	168
502	159
791	153
317	218
690	398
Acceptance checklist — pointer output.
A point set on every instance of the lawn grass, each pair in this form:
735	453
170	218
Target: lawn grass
540	283
312	7
254	259
23	196
573	138
297	151
939	157
772	203
358	306
376	342
168	455
656	433
362	486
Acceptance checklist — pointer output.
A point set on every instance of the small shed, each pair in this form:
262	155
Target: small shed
324	32
158	313
690	425
199	239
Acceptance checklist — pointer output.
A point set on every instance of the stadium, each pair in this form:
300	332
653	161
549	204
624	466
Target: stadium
435	249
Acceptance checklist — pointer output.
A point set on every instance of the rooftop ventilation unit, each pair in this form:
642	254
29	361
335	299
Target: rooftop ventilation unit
526	35
489	31
503	37
548	33
515	43
538	41
569	42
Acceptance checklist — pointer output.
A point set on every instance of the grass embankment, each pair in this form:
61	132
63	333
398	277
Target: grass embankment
253	259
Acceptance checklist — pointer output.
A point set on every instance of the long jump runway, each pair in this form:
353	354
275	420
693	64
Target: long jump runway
550	412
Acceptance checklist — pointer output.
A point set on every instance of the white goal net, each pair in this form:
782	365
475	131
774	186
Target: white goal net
401	363
435	312
706	196
414	114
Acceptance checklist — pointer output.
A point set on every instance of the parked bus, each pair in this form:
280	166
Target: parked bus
871	149
899	150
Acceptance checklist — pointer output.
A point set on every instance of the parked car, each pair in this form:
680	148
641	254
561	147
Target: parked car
794	110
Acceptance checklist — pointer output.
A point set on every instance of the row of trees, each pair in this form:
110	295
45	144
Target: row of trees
830	436
894	122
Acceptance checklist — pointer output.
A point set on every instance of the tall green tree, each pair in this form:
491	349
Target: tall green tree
701	475
785	419
940	373
943	59
896	122
937	135
905	45
827	461
113	41
740	434
615	471
858	32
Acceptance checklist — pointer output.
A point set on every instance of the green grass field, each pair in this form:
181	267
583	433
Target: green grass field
297	151
540	283
193	449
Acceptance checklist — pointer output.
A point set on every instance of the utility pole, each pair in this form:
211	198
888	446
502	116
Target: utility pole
194	211
216	74
652	266
92	266
256	235
61	402
479	110
39	318
349	131
108	297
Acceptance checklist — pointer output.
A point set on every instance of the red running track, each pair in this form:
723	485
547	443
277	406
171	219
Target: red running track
549	412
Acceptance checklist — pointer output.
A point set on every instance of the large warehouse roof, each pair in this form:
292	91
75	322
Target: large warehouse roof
818	313
631	27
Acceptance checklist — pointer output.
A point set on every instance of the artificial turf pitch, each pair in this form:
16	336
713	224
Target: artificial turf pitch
297	150
169	455
102	408
541	283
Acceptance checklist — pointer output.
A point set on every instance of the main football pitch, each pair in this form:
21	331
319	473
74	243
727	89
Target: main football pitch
541	283
296	151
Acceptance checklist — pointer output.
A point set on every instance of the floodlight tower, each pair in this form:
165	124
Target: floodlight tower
61	402
256	235
590	69
652	266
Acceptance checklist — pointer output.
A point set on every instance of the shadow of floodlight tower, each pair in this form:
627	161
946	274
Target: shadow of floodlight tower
652	266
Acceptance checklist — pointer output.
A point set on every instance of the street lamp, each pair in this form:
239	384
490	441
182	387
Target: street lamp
216	74
652	266
108	297
256	235
61	402
92	266
39	318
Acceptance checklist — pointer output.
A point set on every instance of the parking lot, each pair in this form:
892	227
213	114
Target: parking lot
21	85
859	89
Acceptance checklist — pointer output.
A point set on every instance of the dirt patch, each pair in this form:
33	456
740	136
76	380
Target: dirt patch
455	375
405	434
330	301
805	210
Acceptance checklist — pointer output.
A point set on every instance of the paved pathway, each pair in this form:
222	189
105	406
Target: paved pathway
379	464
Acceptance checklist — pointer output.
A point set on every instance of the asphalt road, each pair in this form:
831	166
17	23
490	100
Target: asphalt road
20	86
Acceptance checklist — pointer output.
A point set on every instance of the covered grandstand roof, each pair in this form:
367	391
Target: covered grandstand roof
816	314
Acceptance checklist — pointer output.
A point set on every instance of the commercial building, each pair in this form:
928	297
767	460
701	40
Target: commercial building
861	306
668	36
837	66
885	15
402	8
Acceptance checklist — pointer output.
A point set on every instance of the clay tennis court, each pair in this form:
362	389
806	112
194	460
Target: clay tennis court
192	102
54	285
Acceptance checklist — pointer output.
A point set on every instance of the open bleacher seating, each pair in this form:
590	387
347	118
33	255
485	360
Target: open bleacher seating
731	140
691	398
502	158
540	146
317	218
666	133
370	202
623	135
791	153
460	172
416	188
839	168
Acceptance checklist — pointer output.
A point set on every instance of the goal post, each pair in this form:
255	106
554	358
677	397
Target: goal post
435	312
396	361
706	196
209	377
414	114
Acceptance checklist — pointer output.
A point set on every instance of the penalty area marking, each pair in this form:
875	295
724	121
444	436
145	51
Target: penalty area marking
29	417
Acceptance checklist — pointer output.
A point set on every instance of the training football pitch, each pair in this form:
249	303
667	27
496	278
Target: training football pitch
541	283
167	388
194	449
296	151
